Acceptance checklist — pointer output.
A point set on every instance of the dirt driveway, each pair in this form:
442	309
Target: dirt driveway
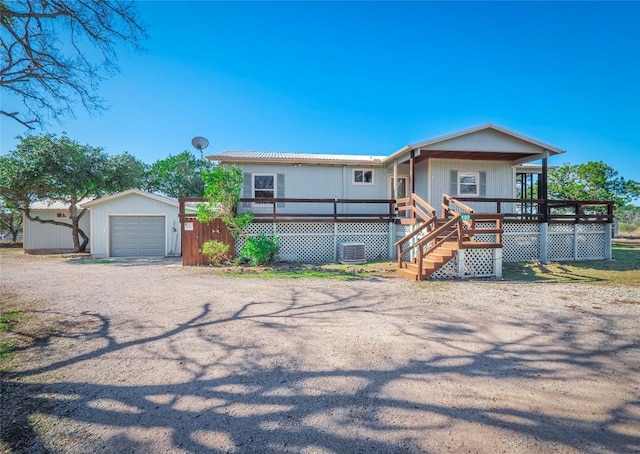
153	357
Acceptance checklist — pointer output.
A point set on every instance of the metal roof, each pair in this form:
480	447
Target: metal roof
244	155
54	204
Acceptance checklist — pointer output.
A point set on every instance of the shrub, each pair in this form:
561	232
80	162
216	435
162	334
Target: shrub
215	251
260	250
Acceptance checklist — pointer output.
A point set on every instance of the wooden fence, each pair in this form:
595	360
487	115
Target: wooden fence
195	233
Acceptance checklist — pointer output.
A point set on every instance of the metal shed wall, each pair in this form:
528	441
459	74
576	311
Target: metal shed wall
134	205
37	236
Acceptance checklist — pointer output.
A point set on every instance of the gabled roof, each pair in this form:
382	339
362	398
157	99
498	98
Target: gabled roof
293	158
159	198
484	142
432	143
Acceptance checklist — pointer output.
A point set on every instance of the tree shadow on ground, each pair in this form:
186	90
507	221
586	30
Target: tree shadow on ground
229	405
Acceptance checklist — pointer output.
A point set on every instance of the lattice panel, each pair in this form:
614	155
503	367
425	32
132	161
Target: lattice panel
591	228
560	228
591	246
403	230
449	271
521	247
257	229
560	247
305	228
375	247
306	249
372	227
517	227
478	262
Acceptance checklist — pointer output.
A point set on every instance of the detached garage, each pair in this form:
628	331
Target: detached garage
134	224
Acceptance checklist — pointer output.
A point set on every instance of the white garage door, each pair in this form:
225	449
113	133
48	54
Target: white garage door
136	236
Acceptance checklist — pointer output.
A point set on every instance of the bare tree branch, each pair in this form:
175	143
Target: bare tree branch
46	50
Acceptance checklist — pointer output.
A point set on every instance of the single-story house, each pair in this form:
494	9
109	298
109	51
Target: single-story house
456	205
486	161
132	223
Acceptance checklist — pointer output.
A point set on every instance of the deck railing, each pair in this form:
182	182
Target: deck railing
539	210
318	210
414	209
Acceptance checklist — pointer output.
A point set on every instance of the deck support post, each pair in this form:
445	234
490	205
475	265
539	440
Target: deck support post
392	240
335	241
607	241
575	241
460	259
544	239
497	262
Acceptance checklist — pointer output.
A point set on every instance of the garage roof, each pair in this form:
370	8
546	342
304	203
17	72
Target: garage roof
159	198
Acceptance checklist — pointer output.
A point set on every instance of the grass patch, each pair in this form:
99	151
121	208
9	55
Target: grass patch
623	269
7	347
7	320
312	271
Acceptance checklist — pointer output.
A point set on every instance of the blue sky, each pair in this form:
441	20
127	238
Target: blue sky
369	78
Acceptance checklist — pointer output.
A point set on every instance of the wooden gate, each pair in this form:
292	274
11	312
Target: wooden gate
195	233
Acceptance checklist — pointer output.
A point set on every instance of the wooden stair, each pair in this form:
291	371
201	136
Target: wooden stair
437	240
435	260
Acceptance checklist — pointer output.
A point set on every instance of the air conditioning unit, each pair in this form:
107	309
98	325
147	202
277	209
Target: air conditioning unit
351	253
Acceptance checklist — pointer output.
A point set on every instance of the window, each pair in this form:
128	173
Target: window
468	183
263	186
362	176
61	215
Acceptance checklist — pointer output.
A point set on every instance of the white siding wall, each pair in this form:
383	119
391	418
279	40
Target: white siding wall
48	236
324	182
135	205
499	180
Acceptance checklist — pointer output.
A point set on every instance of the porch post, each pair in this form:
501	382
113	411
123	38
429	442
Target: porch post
394	186
412	186
544	193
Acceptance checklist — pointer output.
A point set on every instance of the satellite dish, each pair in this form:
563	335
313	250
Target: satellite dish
199	143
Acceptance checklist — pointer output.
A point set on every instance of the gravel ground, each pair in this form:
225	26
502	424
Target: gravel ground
153	357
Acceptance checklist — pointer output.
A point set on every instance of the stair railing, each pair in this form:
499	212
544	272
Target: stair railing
432	240
426	227
451	205
418	209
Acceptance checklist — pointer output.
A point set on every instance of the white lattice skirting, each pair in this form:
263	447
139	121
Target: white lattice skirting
318	241
522	242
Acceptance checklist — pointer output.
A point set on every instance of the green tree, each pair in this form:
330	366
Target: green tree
54	54
591	181
178	176
60	169
10	221
223	185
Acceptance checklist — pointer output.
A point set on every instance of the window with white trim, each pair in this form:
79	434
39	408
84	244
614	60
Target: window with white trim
264	185
362	176
468	184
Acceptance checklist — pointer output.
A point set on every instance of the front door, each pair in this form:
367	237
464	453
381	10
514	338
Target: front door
402	184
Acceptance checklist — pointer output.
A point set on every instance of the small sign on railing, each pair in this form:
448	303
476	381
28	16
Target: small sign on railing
465	217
